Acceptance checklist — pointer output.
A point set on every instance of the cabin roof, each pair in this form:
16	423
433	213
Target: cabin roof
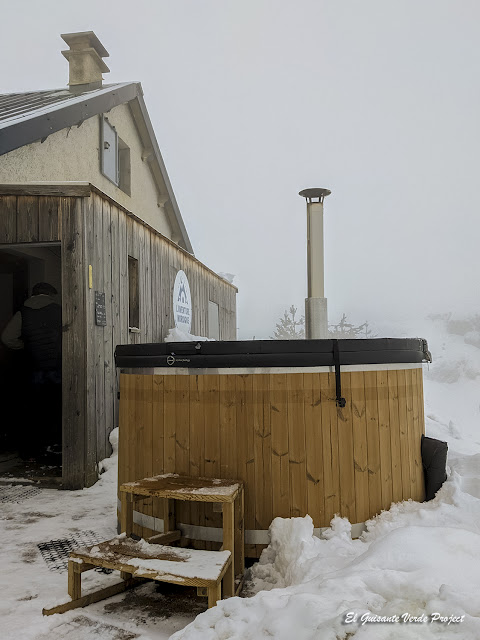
34	115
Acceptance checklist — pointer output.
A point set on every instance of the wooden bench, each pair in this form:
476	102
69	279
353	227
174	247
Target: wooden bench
140	559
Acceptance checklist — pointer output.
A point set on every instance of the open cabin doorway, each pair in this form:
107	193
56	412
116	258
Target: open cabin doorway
31	414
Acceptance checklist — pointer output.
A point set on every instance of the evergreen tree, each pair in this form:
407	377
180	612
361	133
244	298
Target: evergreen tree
346	330
288	328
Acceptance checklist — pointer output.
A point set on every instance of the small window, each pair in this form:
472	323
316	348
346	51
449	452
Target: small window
109	151
133	295
213	323
114	157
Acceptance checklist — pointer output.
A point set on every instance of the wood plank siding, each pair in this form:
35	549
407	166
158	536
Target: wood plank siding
94	230
283	436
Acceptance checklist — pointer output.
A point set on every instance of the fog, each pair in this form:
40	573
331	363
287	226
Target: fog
254	100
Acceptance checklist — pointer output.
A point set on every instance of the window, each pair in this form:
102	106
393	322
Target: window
133	295
213	323
109	151
114	156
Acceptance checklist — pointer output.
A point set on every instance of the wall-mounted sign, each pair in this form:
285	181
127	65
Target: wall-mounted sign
182	303
100	309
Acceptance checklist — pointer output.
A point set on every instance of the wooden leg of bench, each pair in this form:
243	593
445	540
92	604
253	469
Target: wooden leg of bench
125	576
126	514
74	580
214	594
229	545
90	598
168	515
239	555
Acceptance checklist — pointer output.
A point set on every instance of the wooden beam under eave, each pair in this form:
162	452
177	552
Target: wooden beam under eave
79	189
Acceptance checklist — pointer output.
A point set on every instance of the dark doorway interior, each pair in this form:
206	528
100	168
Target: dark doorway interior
30	428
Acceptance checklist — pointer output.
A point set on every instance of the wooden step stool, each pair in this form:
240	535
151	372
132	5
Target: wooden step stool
140	559
137	560
172	487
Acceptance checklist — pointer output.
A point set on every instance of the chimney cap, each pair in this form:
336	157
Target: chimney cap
85	37
315	193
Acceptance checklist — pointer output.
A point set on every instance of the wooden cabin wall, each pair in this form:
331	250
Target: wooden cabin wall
93	231
283	435
30	218
111	236
74	334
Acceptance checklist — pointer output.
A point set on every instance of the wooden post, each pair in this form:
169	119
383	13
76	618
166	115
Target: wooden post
74	580
74	334
238	559
168	515
126	516
229	545
215	593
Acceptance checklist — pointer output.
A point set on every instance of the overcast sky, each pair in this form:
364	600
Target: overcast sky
254	100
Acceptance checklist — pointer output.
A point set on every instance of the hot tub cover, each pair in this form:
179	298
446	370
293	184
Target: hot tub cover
272	353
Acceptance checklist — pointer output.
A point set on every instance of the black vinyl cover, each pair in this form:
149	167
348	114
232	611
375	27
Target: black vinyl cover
271	353
434	460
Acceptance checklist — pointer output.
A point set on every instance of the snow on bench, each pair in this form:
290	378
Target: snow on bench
156	561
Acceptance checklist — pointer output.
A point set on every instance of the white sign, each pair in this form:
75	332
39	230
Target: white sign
182	303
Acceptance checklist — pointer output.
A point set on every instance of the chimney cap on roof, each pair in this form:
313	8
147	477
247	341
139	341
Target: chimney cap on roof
85	60
315	193
79	39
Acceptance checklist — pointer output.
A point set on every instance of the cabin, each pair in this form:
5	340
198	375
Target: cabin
87	206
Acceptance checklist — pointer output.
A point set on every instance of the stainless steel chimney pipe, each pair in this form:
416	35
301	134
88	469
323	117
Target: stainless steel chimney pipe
316	316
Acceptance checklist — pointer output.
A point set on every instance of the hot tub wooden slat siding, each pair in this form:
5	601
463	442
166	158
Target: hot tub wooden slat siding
346	454
262	443
404	434
360	453
384	438
283	436
418	427
373	443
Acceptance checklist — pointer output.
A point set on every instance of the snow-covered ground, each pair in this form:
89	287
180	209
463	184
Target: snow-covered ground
415	573
27	584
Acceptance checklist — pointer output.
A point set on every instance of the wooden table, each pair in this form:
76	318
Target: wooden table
173	487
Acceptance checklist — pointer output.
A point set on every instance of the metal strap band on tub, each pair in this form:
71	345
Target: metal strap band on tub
215	534
252	536
340	402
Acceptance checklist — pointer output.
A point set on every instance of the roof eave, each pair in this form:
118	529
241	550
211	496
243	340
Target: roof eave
39	126
152	144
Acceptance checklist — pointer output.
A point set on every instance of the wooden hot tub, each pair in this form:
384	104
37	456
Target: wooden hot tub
269	413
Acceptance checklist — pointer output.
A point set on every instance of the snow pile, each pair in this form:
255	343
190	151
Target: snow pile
416	560
176	335
229	277
288	559
109	465
452	382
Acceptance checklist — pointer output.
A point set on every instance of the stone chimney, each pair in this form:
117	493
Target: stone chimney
85	61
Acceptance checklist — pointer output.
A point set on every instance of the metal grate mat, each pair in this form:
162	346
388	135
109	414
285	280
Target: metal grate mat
55	552
18	493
